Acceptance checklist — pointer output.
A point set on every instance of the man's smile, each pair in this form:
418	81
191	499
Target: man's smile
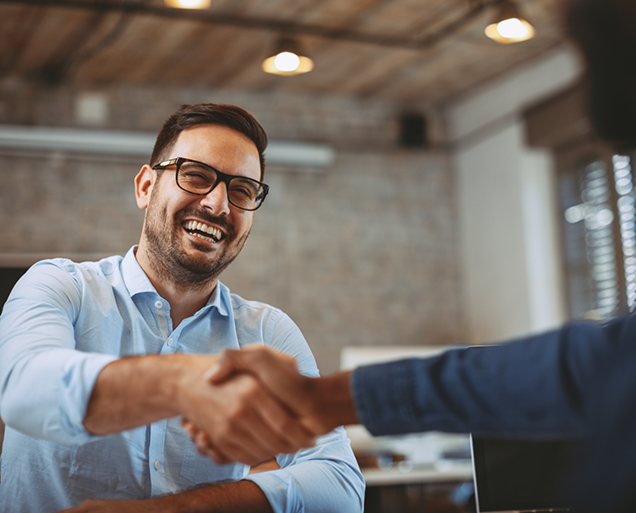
203	231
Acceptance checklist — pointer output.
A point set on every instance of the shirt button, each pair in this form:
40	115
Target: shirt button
158	304
169	342
157	464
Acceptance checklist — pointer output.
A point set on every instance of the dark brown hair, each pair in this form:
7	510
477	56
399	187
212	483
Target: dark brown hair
196	114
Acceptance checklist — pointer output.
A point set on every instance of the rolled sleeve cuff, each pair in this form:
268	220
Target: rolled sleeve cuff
55	410
77	381
279	489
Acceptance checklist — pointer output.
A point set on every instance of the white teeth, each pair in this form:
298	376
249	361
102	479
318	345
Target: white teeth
201	227
202	237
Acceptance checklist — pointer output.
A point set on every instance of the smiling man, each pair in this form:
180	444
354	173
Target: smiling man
98	360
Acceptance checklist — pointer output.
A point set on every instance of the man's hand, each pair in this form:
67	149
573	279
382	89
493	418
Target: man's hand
320	404
240	419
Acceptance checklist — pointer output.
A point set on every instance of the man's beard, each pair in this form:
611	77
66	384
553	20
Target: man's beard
169	259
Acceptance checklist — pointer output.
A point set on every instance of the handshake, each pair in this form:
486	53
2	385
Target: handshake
263	406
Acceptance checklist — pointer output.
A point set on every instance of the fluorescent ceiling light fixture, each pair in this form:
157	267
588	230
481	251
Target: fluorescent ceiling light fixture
509	26
140	144
288	59
188	4
295	153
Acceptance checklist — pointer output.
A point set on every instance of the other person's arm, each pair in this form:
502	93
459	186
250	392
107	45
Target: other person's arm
532	387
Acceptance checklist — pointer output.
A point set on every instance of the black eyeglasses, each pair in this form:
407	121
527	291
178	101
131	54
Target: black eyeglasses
199	178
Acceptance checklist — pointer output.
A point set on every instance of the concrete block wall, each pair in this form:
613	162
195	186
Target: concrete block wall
360	253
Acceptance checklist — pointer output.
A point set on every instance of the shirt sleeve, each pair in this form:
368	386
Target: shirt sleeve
323	478
535	387
37	345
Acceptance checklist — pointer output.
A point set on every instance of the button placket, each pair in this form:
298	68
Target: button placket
170	344
156	456
162	312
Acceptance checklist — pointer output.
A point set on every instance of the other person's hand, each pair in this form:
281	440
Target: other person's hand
238	419
319	404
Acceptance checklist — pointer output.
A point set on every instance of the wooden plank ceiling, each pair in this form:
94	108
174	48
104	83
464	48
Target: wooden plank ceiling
408	50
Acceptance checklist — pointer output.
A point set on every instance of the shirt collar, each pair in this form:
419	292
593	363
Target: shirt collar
134	277
137	283
220	299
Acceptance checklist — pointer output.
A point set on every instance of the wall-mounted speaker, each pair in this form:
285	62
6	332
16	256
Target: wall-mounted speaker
413	131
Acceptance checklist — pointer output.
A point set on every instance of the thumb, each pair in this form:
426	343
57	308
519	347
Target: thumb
221	370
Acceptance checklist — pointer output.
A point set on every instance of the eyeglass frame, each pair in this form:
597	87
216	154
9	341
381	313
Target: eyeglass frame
220	177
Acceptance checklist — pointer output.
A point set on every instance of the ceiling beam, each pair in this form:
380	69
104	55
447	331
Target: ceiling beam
284	27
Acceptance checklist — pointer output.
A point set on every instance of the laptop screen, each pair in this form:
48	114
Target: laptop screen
514	475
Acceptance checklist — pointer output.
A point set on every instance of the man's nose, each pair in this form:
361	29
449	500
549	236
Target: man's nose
216	200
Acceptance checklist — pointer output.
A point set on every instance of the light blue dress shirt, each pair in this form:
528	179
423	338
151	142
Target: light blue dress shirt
63	323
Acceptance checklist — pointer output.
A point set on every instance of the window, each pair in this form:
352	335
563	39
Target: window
598	205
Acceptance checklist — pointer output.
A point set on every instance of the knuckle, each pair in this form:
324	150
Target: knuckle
253	388
250	391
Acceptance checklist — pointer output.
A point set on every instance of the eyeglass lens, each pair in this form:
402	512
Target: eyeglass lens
199	179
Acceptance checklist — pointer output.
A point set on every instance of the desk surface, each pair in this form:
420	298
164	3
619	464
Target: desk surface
443	472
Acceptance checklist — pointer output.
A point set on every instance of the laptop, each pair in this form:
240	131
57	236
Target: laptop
521	476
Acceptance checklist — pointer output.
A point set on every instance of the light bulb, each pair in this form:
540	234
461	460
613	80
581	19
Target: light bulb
287	61
188	4
512	28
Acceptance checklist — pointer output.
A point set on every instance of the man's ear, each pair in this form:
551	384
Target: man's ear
144	182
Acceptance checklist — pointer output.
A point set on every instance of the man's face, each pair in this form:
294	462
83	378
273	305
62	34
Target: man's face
188	238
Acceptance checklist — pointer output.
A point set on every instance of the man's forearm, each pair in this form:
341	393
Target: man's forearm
237	497
136	391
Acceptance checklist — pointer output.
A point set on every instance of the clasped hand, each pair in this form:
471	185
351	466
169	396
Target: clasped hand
259	406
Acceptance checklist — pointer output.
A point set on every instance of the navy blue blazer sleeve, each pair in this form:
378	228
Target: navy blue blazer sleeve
534	387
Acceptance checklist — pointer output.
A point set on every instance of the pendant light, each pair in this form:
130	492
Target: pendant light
288	59
188	4
509	26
